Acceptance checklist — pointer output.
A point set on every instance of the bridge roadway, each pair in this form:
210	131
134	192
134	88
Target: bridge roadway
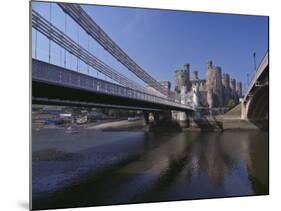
56	85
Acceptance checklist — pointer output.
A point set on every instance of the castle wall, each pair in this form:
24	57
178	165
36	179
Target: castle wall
200	83
203	98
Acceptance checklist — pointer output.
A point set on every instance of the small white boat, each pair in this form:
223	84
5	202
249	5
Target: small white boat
131	119
82	120
72	129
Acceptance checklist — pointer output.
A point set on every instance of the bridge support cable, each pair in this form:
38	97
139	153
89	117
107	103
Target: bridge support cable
51	32
94	30
65	22
50	21
88	45
77	64
35	44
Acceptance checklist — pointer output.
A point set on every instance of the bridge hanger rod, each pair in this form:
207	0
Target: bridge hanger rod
94	30
57	36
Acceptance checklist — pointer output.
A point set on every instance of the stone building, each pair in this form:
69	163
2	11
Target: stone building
234	94
214	85
167	87
182	78
239	89
194	75
226	88
213	92
201	84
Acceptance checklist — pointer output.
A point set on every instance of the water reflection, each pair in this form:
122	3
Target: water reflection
161	167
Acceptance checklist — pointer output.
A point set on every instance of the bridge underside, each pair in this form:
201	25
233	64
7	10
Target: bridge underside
53	94
257	103
258	107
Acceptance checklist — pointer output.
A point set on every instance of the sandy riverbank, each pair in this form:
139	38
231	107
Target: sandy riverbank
122	125
227	123
99	125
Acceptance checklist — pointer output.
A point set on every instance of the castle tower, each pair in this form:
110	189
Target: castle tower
183	95
177	79
214	85
233	85
210	98
210	76
182	78
186	72
239	89
209	64
219	89
195	75
226	80
226	88
233	89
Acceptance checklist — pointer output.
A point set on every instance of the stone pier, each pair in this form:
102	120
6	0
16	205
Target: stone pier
160	121
182	118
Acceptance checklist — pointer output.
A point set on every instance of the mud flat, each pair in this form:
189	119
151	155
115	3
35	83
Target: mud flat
123	125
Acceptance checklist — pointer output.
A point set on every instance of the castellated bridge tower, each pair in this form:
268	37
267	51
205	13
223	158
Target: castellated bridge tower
239	89
214	85
182	78
226	88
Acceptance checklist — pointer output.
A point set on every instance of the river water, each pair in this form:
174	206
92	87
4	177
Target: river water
98	168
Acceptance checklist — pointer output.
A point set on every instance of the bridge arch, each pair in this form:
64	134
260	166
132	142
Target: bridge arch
258	105
255	104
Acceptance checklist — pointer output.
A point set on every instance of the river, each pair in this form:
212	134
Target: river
93	167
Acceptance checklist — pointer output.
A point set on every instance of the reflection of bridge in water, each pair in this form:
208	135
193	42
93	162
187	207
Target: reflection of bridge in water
53	84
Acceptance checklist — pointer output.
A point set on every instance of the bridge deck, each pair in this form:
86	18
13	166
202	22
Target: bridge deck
57	85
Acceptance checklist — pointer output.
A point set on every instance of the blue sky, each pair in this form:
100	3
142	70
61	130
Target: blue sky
161	41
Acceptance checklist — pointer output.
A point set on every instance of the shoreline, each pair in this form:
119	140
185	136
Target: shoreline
120	125
225	124
104	125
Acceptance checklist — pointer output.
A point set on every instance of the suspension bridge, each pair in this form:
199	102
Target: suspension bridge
58	85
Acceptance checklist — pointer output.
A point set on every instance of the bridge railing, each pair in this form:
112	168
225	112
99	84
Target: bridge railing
257	73
55	35
42	71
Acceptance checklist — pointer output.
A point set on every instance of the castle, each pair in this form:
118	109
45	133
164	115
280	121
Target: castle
216	91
